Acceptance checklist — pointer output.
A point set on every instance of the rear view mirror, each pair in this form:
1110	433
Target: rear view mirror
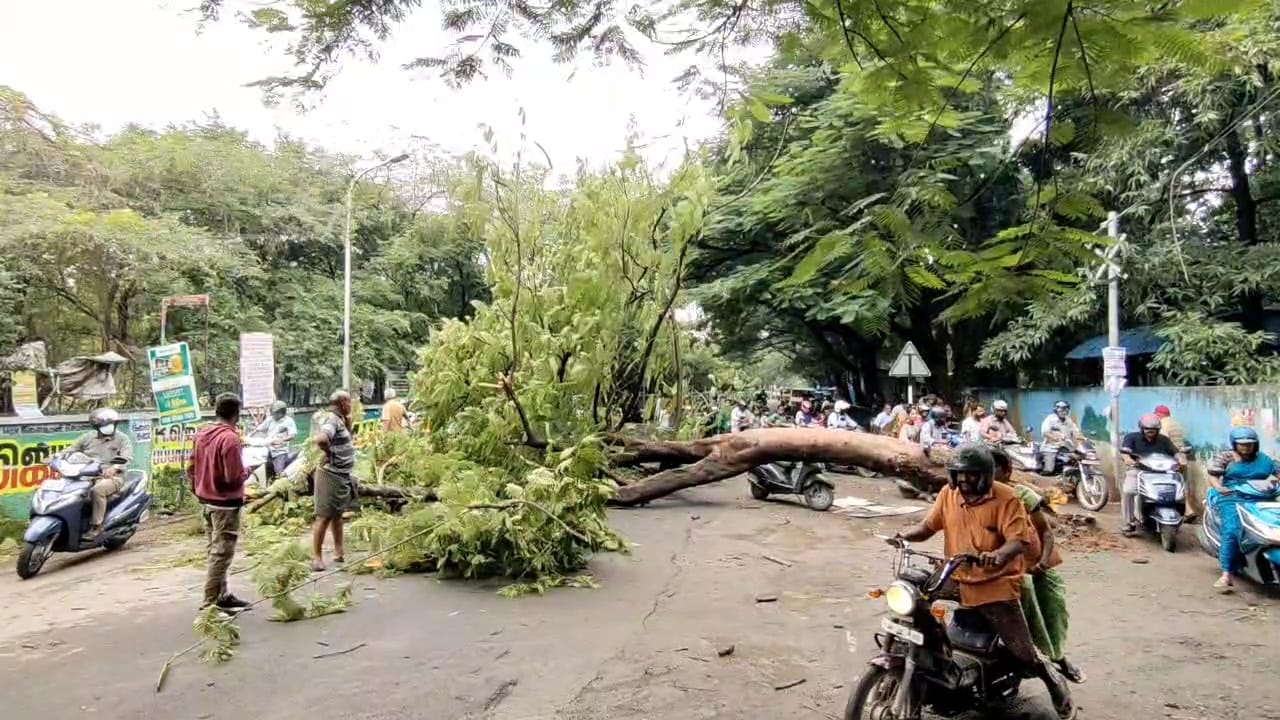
1029	429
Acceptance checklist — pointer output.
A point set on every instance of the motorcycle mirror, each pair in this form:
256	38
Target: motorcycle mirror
1028	429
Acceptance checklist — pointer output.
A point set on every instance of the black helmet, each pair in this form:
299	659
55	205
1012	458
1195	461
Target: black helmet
973	458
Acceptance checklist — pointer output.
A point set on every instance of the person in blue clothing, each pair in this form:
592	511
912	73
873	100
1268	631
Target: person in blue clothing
1231	474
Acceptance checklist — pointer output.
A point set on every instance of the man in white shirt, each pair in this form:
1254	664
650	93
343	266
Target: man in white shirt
1058	430
881	421
740	418
280	430
839	418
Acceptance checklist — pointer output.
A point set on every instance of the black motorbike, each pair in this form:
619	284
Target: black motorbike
791	478
924	662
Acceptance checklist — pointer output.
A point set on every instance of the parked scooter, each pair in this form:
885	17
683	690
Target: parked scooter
1162	497
926	663
1078	467
1260	541
790	478
61	511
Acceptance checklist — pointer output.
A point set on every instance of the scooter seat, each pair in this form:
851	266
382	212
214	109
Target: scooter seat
968	630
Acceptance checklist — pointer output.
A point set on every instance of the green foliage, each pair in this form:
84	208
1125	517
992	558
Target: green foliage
171	491
284	569
537	527
1199	351
95	234
220	634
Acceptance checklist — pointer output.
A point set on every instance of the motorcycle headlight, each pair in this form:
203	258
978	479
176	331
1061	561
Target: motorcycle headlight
46	502
901	598
1270	533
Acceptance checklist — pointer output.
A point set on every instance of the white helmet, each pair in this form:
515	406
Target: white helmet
842	406
1000	405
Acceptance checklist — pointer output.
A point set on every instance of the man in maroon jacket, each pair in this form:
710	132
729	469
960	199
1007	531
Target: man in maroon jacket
218	476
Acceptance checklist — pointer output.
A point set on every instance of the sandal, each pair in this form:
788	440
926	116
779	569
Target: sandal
1070	672
1224	585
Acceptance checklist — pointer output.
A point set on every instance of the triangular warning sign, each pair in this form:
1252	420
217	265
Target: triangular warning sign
909	363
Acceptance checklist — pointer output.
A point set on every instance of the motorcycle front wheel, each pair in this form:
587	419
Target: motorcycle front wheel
33	557
758	491
1168	538
1092	492
872	697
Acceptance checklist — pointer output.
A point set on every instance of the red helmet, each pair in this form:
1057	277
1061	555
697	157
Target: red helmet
1150	421
1163	411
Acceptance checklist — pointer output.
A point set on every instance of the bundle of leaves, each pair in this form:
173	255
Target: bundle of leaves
220	634
284	569
538	528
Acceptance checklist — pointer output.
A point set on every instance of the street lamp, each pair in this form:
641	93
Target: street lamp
346	270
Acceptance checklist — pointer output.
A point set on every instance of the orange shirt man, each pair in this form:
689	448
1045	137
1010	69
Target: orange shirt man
979	516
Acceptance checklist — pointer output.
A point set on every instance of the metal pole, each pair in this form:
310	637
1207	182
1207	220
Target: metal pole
346	271
1113	337
910	390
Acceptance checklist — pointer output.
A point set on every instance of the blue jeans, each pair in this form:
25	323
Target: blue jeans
1229	554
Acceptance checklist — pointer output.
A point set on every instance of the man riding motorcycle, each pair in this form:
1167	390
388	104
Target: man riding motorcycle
996	427
805	416
1243	465
113	451
934	430
977	515
1057	431
1147	441
280	430
839	418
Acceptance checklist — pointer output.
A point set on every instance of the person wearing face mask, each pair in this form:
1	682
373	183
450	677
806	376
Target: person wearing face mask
977	515
1135	446
280	430
113	451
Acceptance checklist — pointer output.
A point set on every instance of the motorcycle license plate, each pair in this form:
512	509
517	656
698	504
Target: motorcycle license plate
902	632
55	484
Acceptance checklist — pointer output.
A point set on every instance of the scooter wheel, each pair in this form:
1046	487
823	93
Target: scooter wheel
819	496
1169	538
33	557
757	491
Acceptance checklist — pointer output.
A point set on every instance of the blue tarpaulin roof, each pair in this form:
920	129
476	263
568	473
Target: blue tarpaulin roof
1137	341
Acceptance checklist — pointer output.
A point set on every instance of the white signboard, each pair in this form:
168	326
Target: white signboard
257	370
1113	364
909	364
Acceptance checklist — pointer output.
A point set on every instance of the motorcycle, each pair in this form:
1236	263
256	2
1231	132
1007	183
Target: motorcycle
61	512
927	663
1162	497
854	469
1260	541
1078	467
256	455
790	478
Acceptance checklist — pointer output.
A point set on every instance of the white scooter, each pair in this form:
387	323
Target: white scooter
256	455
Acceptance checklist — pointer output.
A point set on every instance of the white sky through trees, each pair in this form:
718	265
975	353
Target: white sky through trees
119	61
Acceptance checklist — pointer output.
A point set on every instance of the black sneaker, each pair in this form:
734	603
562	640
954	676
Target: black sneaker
231	603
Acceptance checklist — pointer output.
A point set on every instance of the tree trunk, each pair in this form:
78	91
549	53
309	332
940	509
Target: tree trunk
726	456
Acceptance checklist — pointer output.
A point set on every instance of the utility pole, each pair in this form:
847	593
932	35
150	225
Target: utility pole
1114	372
346	271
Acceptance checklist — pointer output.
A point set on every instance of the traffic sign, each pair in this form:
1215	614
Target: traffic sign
909	364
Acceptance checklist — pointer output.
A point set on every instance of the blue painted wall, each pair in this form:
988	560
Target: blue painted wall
1206	413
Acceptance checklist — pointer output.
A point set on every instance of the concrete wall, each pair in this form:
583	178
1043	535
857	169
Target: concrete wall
23	459
1206	413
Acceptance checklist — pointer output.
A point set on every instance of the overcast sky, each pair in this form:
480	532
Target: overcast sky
111	62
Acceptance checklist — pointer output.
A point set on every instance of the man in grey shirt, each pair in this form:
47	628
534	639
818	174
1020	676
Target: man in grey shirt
334	484
114	452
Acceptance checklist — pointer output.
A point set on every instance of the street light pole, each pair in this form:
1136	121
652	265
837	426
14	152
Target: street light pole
346	270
